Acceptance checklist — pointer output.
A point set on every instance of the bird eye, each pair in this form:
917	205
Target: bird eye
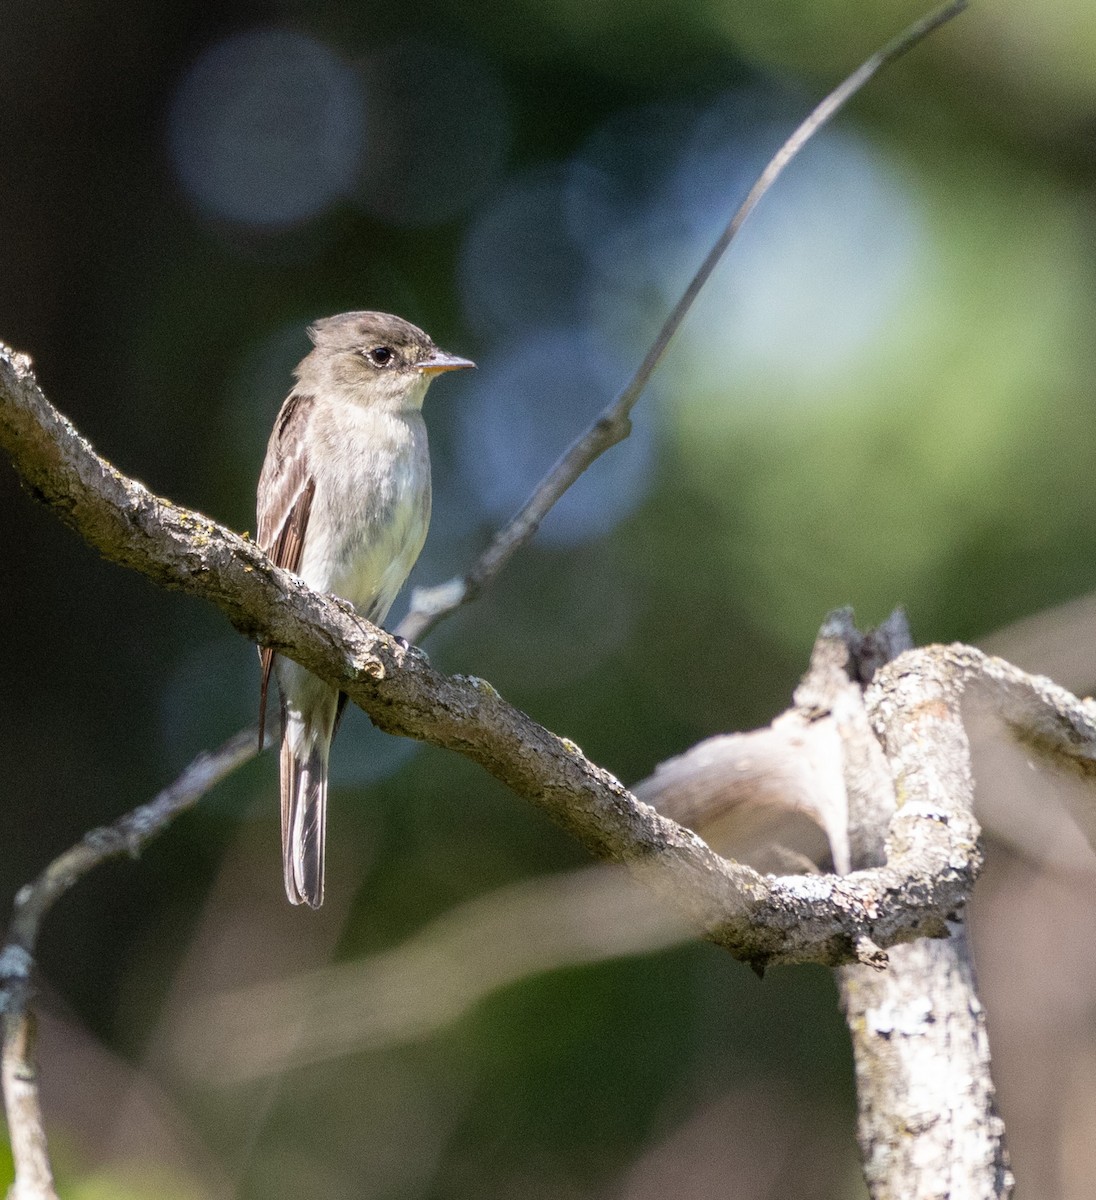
380	356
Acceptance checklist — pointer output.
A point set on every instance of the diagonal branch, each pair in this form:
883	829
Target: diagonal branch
932	854
761	920
128	835
613	424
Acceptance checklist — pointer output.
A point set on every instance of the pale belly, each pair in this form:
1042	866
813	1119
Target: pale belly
365	535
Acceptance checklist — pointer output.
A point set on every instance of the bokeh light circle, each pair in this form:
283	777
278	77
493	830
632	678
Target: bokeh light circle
266	128
520	269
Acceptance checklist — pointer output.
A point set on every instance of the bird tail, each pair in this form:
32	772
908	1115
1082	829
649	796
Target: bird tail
304	808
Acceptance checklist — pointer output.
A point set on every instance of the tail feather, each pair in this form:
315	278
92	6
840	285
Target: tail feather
304	813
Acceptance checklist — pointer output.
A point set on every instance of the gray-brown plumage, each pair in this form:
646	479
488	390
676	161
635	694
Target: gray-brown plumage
344	501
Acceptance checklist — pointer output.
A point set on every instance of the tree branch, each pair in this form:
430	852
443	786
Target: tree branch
932	857
760	920
27	1131
613	424
928	1122
128	835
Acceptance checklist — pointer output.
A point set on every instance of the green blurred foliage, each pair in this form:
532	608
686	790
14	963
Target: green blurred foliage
946	465
963	424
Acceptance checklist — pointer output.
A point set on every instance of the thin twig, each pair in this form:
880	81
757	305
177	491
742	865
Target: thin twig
613	425
128	835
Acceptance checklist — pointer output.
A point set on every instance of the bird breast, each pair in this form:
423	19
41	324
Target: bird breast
371	509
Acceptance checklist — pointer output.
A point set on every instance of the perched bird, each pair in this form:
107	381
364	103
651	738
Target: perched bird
344	501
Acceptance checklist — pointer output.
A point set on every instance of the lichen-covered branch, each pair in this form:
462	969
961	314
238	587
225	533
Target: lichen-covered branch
928	1122
759	919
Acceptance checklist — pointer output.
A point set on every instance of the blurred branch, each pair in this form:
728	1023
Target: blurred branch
427	982
26	1129
613	425
127	836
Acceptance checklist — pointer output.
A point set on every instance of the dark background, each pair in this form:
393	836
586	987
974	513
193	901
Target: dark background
885	396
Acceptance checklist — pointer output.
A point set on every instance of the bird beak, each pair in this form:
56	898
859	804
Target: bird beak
441	360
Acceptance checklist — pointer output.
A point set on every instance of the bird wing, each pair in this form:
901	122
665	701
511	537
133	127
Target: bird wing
286	489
